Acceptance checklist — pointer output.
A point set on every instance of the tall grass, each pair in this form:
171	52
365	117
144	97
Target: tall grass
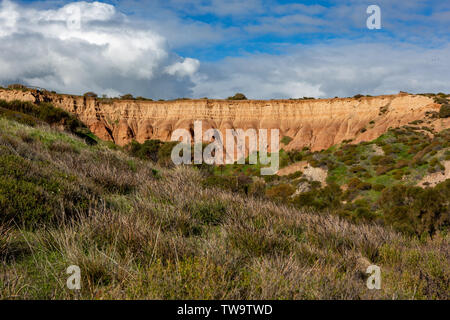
154	233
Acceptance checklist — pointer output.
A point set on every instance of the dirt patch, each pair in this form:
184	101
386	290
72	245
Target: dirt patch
309	172
378	150
435	178
316	174
298	166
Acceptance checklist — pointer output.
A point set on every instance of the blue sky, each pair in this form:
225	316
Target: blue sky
266	49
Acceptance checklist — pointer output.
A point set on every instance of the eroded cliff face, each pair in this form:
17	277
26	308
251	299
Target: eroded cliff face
317	124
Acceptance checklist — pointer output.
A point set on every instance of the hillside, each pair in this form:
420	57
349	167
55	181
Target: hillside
317	124
142	229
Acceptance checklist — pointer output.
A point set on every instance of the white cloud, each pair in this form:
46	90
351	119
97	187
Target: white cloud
114	53
102	51
334	69
182	69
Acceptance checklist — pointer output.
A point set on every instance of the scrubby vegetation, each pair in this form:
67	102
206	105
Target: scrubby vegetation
139	228
444	112
238	96
90	94
45	113
360	176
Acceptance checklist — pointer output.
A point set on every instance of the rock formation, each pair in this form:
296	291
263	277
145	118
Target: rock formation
317	124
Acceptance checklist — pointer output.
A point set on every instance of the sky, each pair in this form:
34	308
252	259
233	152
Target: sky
166	49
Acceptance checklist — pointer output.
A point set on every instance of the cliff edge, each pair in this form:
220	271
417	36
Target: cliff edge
317	124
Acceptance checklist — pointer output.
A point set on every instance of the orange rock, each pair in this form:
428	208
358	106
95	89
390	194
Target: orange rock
317	124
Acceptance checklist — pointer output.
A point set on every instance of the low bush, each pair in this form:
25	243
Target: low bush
33	194
286	140
238	96
90	94
146	151
378	187
280	192
209	213
328	197
415	210
127	96
444	112
48	113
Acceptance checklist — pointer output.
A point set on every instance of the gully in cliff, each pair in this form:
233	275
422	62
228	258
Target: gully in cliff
214	152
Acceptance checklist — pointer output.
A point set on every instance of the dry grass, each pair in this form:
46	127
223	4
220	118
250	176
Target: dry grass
164	236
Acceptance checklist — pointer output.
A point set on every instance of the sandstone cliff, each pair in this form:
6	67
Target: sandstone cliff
314	123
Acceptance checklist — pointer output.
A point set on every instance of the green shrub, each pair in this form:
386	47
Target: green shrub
90	94
415	210
238	96
238	184
281	192
295	156
357	169
153	150
210	213
328	197
147	150
440	100
165	154
398	175
256	243
127	96
295	175
444	112
358	210
286	140
378	187
31	194
51	115
20	117
257	188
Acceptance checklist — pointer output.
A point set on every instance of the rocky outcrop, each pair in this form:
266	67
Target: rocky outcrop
317	124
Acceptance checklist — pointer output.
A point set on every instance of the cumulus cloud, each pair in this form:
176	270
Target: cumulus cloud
89	46
183	69
94	46
334	69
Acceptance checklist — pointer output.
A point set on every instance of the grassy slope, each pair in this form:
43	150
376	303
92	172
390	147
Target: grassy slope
367	171
140	231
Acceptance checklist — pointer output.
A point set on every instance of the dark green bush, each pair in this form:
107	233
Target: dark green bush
444	112
378	187
51	115
127	96
286	140
328	197
238	96
357	169
280	192
210	213
295	156
239	184
146	151
415	210
20	117
90	94
295	175
32	194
